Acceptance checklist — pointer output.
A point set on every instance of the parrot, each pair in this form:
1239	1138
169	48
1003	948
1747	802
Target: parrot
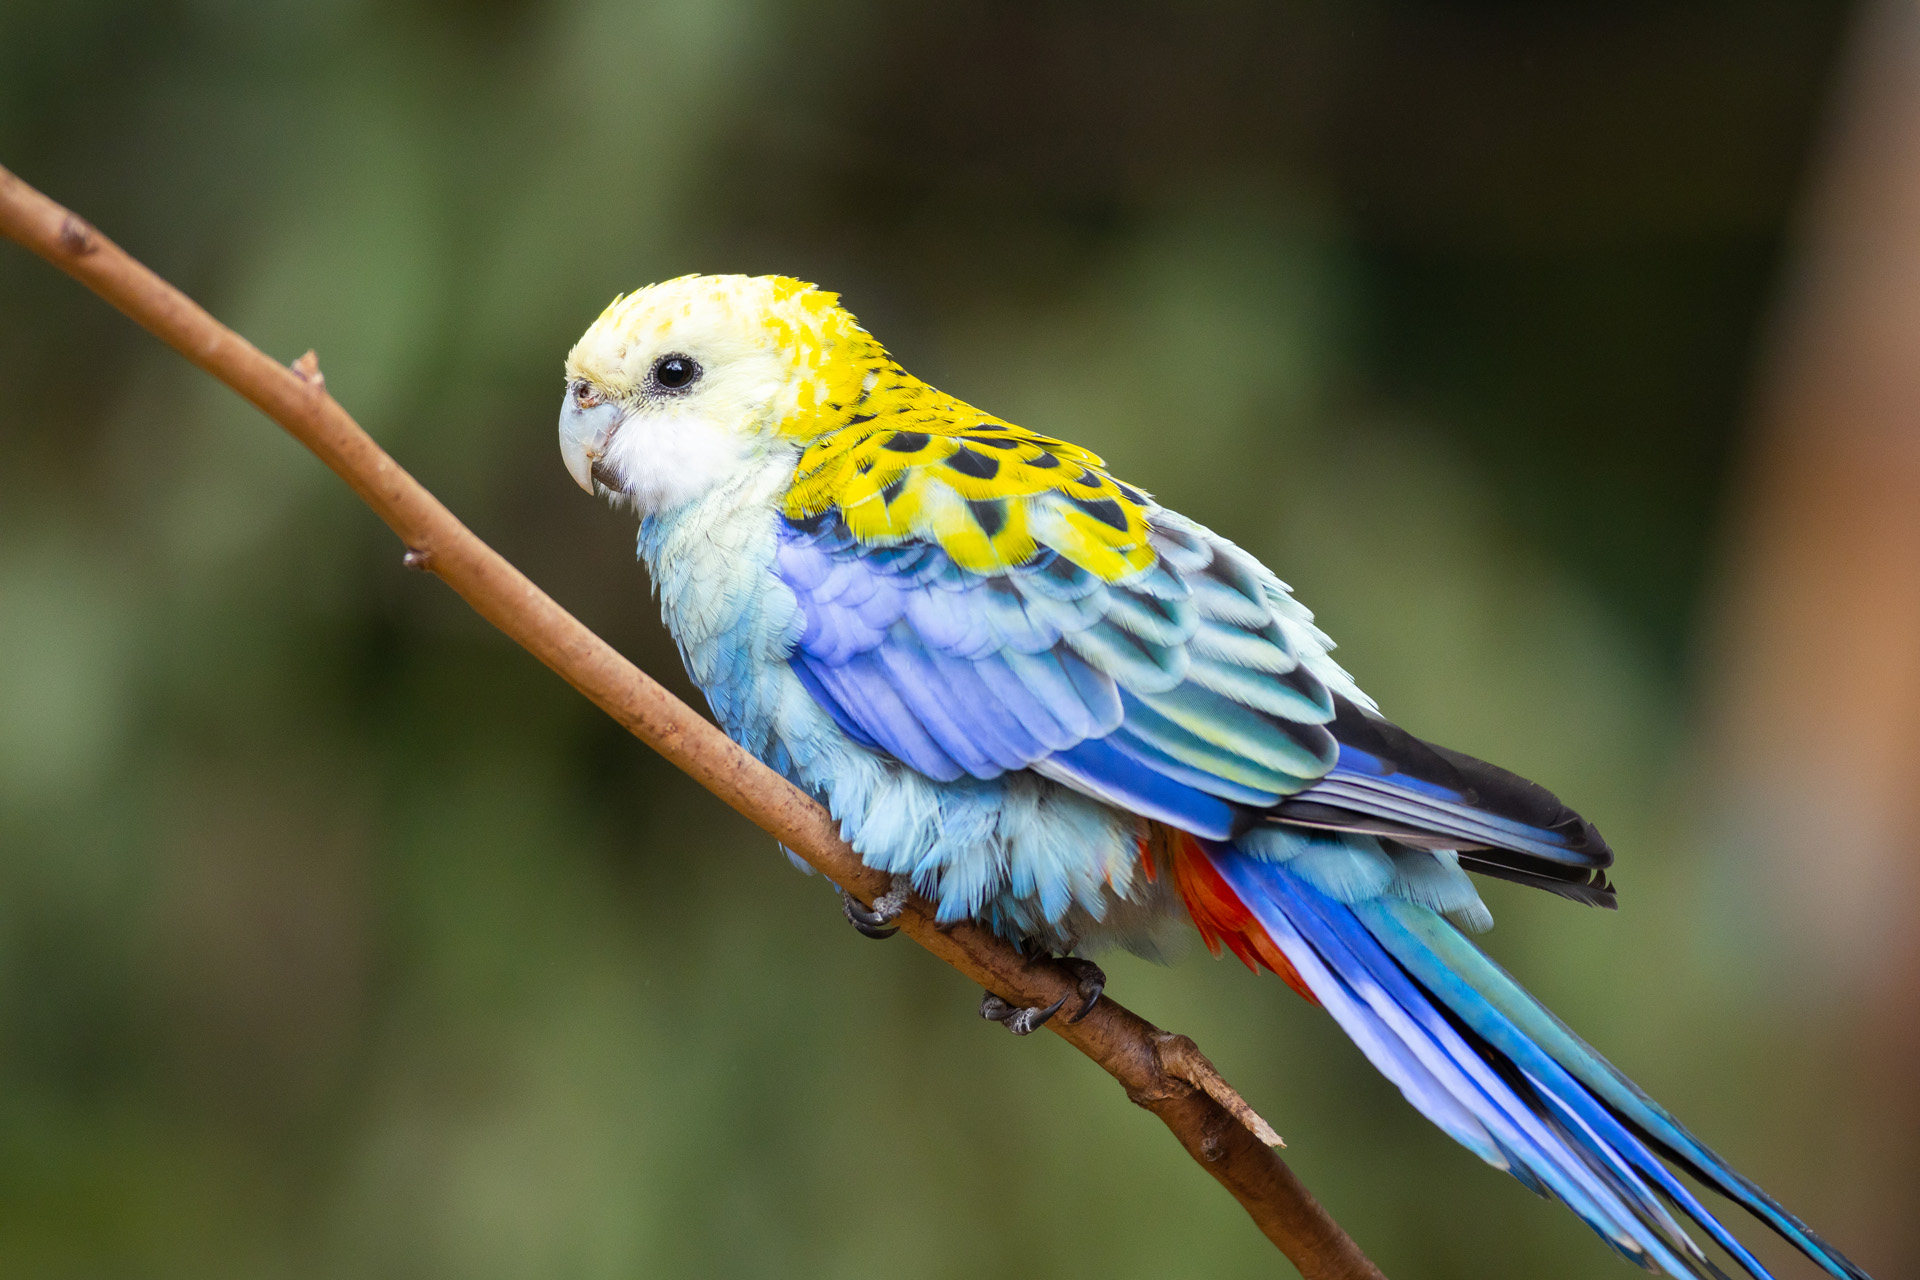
1045	703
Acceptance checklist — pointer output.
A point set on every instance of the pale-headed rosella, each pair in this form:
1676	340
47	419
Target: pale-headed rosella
1051	705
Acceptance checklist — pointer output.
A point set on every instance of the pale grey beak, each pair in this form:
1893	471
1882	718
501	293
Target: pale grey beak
585	434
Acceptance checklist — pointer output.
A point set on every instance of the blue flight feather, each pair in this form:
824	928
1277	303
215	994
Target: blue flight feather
1123	780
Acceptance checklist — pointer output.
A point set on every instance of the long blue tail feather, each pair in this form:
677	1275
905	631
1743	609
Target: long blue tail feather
1531	1022
1554	1085
1487	1063
1524	1141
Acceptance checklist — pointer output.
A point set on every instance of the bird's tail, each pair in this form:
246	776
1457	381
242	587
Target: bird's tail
1483	1059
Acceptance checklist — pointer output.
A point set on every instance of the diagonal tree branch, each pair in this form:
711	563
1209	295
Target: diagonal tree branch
1166	1074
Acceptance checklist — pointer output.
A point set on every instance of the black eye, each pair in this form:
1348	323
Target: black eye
674	373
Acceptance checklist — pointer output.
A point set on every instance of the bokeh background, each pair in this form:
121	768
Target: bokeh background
1560	354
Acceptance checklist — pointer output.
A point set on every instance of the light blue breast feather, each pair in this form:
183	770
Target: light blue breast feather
1010	847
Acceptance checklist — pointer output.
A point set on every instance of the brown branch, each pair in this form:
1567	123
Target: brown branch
1164	1073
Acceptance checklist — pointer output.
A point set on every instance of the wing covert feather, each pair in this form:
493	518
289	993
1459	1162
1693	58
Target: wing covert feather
1046	666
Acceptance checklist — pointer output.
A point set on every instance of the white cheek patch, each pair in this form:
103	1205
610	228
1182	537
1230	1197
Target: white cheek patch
666	459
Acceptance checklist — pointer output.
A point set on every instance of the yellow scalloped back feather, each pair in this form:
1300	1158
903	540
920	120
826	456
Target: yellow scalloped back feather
902	460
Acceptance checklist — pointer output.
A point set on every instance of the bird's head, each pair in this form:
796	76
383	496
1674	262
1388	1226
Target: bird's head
682	386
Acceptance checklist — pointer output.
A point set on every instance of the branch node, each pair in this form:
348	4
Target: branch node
418	559
1183	1068
77	237
307	369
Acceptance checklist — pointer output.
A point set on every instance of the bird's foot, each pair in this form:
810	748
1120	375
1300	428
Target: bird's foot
877	921
1089	982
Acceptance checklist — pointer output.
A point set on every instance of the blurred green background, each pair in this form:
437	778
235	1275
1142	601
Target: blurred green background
338	938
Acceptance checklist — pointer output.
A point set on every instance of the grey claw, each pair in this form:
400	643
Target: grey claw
1027	1021
1020	1021
886	909
1090	980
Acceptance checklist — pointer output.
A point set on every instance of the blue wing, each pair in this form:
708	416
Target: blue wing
1186	693
1178	694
